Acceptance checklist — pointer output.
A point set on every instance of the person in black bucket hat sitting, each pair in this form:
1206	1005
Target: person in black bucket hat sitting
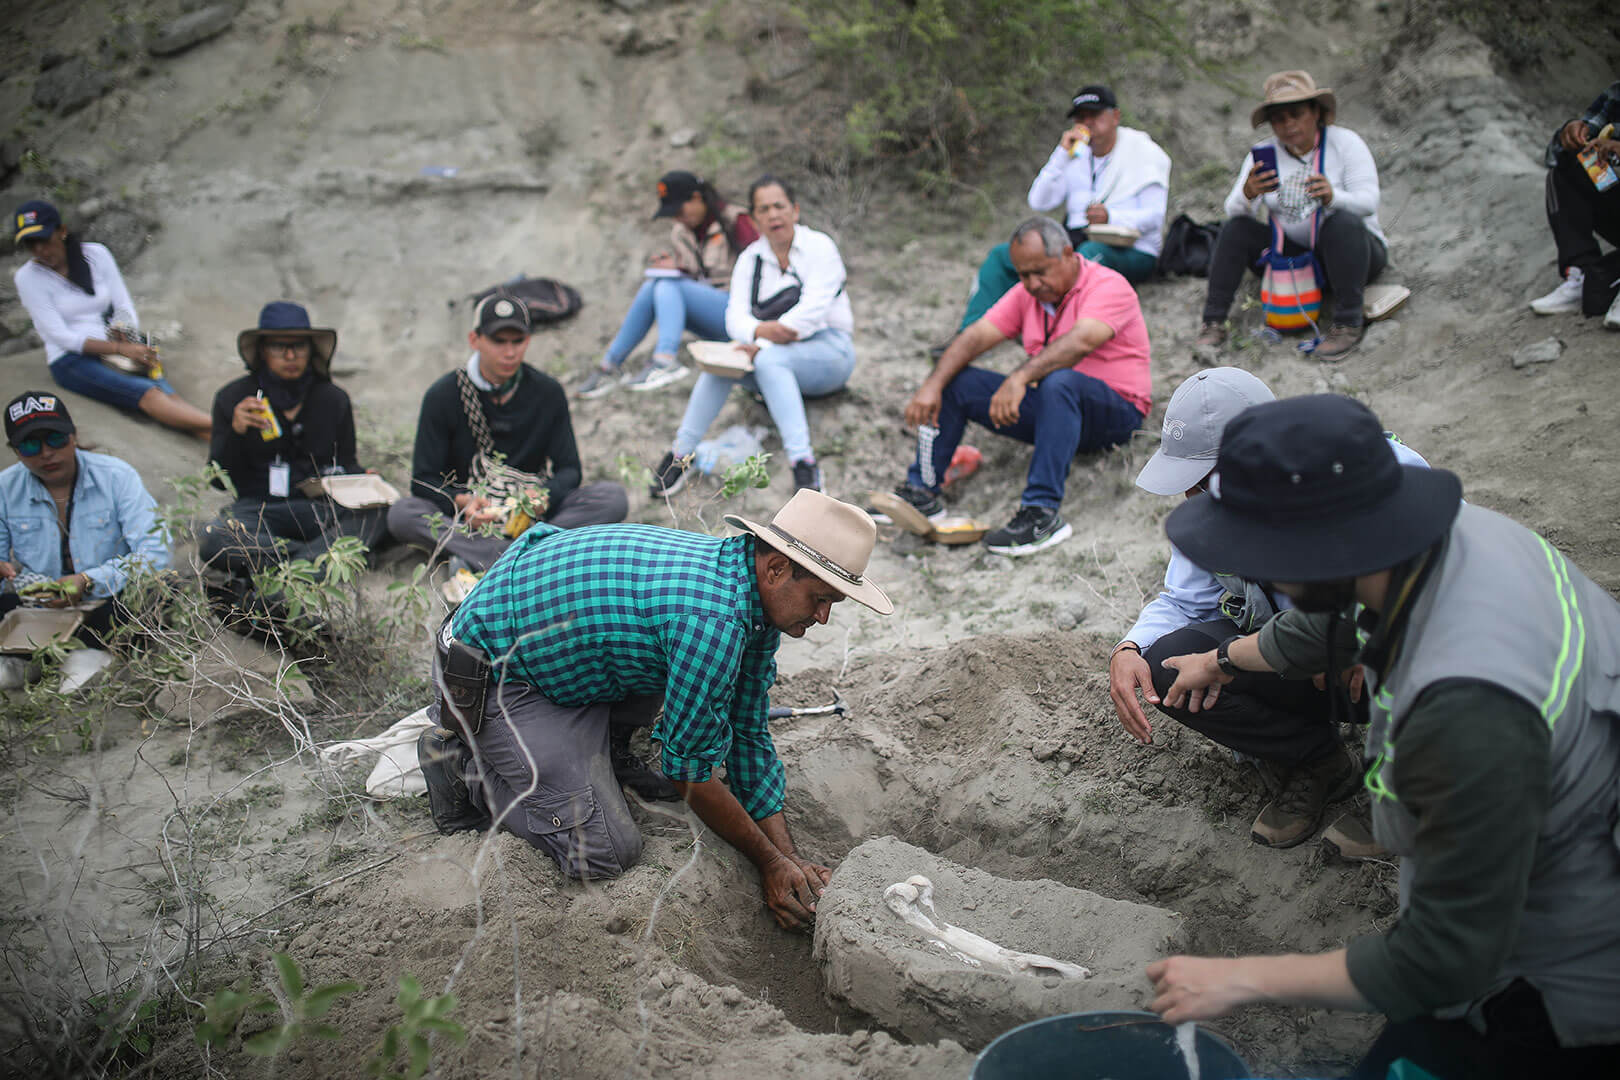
283	423
1493	752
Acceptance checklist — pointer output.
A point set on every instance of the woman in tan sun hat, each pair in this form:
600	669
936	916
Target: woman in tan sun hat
1320	166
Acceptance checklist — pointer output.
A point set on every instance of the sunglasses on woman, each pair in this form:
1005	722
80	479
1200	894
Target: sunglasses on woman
31	445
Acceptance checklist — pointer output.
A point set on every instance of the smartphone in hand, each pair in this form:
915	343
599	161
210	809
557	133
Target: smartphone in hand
1265	157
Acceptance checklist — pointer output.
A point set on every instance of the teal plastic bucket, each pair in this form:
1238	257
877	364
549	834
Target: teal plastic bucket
1103	1046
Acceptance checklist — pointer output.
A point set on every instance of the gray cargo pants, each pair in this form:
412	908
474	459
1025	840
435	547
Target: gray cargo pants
546	767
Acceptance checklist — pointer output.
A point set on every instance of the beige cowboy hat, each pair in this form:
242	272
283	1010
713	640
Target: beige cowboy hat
831	539
1287	87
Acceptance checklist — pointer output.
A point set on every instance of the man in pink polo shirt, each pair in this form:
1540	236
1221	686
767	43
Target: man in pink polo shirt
1085	386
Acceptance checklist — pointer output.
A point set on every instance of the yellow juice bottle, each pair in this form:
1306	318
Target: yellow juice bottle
273	432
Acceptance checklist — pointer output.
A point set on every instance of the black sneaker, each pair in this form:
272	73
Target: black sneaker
445	760
1030	530
806	474
669	477
630	771
925	502
598	382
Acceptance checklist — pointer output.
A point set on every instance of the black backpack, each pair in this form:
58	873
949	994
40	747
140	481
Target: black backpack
1188	247
548	300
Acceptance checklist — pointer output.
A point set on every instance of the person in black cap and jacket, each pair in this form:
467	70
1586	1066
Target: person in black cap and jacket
685	286
496	425
1493	752
283	423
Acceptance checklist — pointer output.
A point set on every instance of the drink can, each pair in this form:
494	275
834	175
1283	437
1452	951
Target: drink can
273	432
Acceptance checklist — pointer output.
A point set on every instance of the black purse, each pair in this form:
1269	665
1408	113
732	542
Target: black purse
773	307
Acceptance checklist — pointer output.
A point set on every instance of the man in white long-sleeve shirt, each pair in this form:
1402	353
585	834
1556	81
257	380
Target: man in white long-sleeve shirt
1103	174
1286	724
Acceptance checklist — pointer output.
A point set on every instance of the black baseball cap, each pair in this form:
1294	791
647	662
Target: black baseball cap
35	219
1090	98
36	410
1308	489
674	188
501	311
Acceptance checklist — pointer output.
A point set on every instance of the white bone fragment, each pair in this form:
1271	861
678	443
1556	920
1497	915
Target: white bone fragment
907	899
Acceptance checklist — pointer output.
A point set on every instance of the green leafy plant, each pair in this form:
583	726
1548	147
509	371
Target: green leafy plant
748	473
301	1008
419	1017
943	83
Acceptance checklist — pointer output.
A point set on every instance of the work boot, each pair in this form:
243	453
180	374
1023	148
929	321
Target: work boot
1339	342
445	761
645	780
1212	335
1351	838
1294	812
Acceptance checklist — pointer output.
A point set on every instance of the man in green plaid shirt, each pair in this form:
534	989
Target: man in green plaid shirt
587	630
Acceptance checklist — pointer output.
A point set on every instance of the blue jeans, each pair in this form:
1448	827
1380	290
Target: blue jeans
87	375
676	304
1063	414
785	374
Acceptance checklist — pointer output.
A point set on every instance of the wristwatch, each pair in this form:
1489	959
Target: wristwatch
1223	660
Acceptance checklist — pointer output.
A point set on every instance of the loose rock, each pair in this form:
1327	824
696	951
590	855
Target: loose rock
1542	352
69	86
188	30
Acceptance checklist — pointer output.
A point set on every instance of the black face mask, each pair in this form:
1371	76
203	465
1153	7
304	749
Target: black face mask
1325	597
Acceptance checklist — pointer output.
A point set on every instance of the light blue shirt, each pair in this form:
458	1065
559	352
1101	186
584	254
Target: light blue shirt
113	531
1192	594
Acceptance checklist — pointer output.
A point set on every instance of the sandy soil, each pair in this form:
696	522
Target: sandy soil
285	158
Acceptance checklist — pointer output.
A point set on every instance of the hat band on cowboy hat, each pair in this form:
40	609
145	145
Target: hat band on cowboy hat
282	318
831	539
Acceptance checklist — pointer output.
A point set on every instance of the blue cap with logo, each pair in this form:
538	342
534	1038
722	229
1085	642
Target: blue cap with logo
35	219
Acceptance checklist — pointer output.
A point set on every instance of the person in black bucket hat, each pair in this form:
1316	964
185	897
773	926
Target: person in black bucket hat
1493	751
276	429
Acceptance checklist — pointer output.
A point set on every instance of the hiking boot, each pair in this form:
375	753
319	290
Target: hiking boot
1211	336
924	501
1295	811
1030	530
669	477
660	371
600	381
445	762
1351	838
1338	342
645	780
806	474
1564	300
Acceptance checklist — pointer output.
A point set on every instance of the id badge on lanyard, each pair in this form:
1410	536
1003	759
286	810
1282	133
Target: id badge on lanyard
280	478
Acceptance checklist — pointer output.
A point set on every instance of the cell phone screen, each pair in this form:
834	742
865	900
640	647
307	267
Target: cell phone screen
1264	156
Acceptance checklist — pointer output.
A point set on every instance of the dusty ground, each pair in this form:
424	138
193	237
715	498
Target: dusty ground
284	158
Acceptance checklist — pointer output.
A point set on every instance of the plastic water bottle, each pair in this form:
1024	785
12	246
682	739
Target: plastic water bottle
732	446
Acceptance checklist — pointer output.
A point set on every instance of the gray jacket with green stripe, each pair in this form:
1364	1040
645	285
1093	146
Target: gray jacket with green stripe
1505	608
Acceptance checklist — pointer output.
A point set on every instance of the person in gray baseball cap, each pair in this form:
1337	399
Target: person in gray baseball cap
1287	726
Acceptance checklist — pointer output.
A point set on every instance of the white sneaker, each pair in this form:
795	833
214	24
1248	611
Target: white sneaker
82	665
1612	319
1564	300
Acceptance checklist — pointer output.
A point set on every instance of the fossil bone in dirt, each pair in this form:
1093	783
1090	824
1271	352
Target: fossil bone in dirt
908	898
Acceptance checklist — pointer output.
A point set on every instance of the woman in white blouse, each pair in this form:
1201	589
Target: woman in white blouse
788	308
1321	169
74	292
